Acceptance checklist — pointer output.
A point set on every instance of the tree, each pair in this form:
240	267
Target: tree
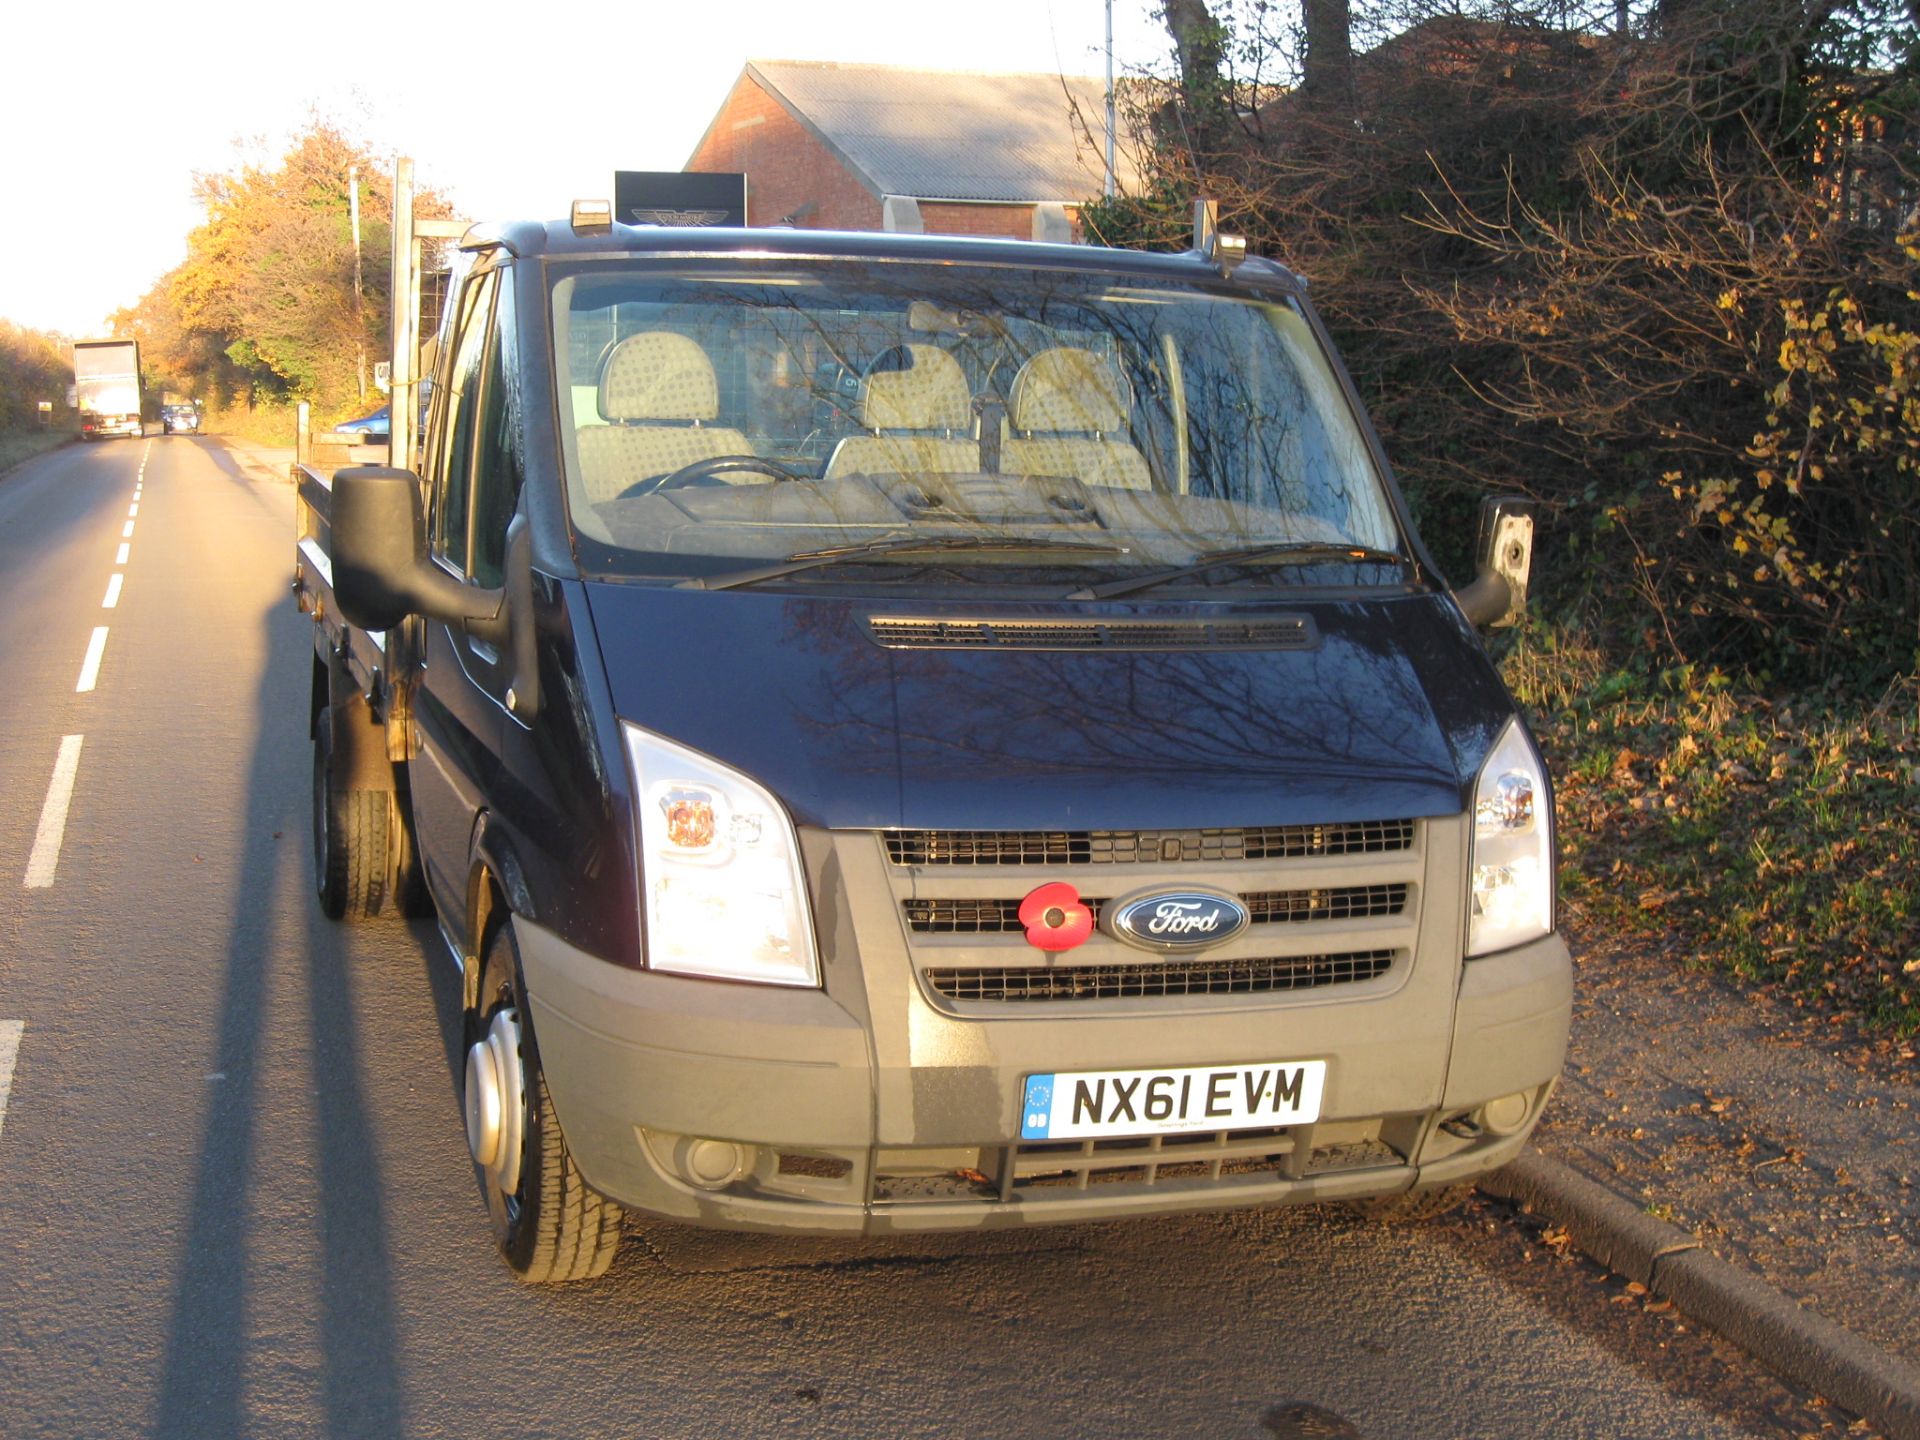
1646	272
263	306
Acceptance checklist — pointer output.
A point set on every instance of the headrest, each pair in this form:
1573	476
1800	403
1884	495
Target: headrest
925	389
1067	389
658	375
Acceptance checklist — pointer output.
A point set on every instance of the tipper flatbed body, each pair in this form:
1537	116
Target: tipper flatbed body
903	733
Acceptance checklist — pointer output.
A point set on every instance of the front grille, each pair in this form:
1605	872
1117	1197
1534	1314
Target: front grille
1154	979
1277	632
1002	917
1132	847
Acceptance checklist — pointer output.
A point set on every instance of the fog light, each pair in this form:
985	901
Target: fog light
1505	1116
711	1164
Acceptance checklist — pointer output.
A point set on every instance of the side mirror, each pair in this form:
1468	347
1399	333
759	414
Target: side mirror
1497	595
381	573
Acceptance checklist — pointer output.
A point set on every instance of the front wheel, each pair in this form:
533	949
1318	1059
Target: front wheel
548	1224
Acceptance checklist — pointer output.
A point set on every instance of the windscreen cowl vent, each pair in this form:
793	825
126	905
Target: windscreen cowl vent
1255	632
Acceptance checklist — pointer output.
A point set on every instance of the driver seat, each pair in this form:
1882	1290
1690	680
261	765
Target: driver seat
659	397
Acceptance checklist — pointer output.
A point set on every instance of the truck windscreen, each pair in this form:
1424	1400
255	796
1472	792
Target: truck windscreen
713	419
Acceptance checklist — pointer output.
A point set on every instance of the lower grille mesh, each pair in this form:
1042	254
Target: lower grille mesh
1161	978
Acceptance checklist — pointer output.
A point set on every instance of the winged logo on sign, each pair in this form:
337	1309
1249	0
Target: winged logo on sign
642	216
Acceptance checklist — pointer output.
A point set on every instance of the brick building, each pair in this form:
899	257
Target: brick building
873	147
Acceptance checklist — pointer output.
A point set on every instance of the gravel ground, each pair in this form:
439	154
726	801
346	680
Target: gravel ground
1782	1139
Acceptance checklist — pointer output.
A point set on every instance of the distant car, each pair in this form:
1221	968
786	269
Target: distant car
374	424
180	419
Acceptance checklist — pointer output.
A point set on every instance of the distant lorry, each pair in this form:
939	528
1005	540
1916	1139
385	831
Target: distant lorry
106	382
1044	780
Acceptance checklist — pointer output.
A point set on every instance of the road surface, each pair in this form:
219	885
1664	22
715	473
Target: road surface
235	1198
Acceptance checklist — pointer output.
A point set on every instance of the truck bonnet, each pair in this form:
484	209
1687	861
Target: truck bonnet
1383	712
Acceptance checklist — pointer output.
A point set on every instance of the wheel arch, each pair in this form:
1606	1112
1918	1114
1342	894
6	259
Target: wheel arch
496	891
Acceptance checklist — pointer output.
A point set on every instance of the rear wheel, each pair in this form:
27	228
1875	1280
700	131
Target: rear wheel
549	1225
351	828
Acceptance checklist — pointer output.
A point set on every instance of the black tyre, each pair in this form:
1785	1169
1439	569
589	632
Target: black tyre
549	1225
1412	1207
351	829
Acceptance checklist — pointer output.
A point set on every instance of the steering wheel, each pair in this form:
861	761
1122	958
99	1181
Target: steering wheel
707	469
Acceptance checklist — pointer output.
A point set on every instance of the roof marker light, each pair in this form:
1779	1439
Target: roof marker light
592	217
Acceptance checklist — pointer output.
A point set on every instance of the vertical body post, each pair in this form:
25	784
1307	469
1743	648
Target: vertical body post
403	399
359	322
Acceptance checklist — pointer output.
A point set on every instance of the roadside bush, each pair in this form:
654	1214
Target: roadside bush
1649	279
34	366
273	425
1775	841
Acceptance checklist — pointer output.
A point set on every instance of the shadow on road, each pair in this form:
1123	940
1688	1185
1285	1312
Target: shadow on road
204	1377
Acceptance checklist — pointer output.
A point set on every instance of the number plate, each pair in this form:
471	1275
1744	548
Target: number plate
1093	1104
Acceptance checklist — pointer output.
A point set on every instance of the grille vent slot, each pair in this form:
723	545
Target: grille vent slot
1129	847
1272	632
1157	979
1002	917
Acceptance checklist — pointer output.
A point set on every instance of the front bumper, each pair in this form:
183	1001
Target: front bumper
839	1123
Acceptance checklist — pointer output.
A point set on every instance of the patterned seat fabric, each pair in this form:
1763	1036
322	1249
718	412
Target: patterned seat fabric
654	377
914	412
1065	403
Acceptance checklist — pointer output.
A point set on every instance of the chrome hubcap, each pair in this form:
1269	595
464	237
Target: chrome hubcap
496	1101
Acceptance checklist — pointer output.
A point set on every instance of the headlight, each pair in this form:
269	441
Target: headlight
1511	861
720	877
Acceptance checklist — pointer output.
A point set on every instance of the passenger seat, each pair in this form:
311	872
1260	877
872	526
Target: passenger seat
920	415
1065	404
658	394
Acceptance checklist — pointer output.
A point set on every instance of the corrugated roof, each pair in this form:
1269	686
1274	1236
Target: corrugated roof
953	135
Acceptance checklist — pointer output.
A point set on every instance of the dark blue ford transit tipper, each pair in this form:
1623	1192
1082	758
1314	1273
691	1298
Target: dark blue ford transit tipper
906	733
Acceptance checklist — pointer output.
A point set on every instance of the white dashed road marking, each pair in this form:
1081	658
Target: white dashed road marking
126	531
45	858
133	509
10	1031
114	583
90	667
121	558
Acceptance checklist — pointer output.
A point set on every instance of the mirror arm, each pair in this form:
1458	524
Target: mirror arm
1484	599
441	597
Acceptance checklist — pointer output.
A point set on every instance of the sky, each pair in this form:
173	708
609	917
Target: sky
513	111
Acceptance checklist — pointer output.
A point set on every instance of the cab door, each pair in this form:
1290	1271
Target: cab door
459	691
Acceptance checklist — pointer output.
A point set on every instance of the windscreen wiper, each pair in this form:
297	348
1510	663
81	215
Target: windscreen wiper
888	545
1298	552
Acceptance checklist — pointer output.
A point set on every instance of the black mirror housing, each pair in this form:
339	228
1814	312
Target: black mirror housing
1497	595
381	572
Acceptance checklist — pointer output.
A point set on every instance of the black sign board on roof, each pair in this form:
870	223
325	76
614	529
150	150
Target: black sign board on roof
678	197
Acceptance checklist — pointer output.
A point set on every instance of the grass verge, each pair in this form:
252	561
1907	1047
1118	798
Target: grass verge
1776	838
18	445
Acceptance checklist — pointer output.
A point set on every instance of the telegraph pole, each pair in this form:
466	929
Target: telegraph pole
359	323
1110	127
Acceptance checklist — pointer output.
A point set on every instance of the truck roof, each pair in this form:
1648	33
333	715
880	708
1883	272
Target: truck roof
558	238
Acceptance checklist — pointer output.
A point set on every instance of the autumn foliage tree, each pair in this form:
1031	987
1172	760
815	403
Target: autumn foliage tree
1644	264
264	307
